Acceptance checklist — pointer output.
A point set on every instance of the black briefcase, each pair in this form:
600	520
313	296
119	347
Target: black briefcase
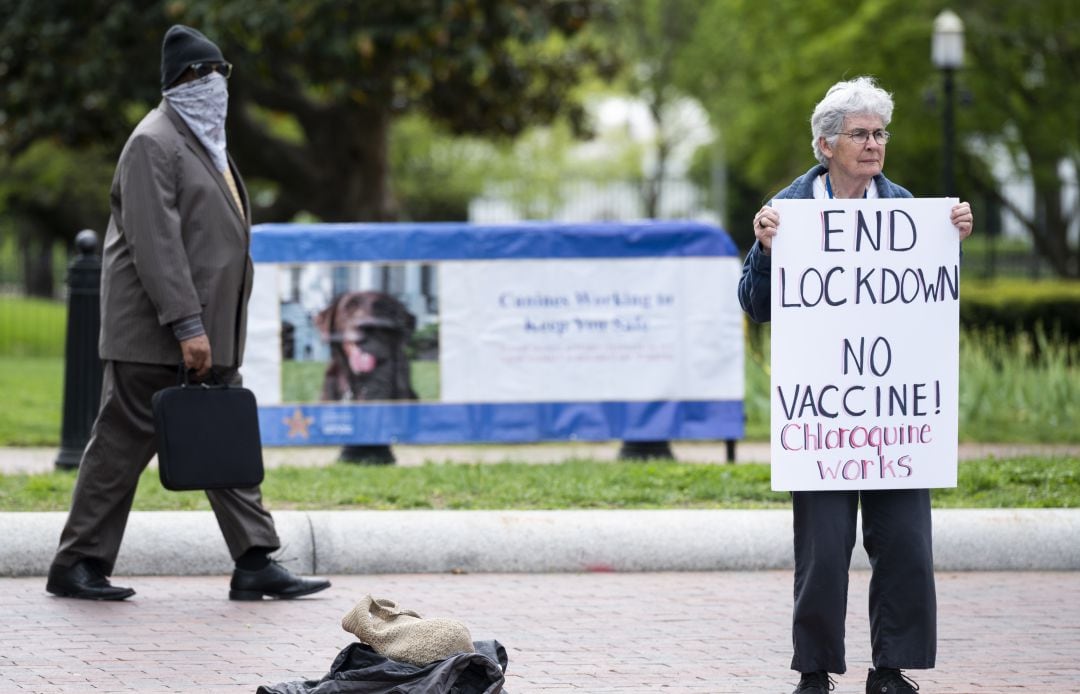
207	436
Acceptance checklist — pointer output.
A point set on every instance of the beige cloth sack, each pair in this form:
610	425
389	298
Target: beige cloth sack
404	635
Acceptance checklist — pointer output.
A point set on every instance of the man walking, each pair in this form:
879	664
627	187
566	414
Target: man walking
176	277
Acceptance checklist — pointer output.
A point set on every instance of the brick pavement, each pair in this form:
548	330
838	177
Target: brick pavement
720	632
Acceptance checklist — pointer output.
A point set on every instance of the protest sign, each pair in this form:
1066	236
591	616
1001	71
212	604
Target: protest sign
865	344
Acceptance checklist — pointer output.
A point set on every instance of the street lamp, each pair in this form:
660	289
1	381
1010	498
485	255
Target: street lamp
947	52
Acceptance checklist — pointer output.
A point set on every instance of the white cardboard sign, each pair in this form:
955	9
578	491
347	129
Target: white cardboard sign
865	344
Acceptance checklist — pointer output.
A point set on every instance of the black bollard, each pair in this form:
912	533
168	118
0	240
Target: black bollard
645	450
82	366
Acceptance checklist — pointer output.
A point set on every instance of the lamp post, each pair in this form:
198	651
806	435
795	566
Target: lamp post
947	52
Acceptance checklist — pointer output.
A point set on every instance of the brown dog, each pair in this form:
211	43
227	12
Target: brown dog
367	332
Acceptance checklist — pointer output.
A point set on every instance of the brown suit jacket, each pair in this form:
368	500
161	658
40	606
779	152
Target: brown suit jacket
177	245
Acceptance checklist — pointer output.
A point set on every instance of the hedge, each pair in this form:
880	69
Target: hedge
1018	305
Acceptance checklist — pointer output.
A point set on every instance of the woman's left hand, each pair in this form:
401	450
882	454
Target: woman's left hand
962	219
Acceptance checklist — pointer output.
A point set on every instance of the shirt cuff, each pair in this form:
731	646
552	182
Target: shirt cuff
187	328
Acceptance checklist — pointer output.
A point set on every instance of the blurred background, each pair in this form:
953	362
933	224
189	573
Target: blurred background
568	110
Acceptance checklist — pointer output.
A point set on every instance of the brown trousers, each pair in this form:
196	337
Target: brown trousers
121	445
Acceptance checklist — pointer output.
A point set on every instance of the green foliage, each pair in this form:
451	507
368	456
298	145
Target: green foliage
1024	59
71	67
761	67
1018	306
434	175
760	77
479	65
536	164
1020	388
651	34
48	193
579	484
989	257
317	82
71	184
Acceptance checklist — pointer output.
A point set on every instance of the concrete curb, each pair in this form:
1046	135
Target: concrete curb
180	543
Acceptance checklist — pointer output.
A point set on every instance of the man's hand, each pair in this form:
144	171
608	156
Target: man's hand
197	355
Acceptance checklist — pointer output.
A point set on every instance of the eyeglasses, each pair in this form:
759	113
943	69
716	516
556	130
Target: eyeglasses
859	136
223	69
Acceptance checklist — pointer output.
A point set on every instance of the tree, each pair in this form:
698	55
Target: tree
1025	78
760	68
435	175
317	84
651	34
48	193
759	78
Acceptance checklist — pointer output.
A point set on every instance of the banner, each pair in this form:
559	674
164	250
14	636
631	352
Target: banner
453	333
865	344
568	329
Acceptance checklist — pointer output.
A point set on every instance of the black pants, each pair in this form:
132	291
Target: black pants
121	445
903	603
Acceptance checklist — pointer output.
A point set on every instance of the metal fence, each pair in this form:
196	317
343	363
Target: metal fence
585	200
32	326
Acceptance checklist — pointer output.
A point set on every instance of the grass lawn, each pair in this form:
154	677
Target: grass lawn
1025	482
32	402
32	327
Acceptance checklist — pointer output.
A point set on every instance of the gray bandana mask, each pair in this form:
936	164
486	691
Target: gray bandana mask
203	104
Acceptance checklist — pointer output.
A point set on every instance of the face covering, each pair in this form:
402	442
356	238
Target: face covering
203	104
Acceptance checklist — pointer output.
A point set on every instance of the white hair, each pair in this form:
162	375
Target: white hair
857	97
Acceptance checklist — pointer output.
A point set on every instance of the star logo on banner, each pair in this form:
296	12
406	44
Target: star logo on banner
298	424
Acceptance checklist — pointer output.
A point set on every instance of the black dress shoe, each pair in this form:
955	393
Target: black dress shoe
272	581
85	581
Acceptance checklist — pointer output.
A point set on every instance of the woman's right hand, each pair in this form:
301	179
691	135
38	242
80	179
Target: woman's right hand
765	223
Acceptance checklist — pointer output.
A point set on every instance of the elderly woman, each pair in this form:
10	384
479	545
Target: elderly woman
849	139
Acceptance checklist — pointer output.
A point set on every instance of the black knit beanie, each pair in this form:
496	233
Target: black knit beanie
183	47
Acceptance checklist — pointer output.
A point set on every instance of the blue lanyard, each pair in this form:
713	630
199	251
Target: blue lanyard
828	188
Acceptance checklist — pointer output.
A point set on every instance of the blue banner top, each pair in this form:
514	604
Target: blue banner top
293	243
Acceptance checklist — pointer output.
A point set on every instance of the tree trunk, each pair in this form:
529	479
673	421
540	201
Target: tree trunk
1048	225
1051	229
353	183
37	264
342	173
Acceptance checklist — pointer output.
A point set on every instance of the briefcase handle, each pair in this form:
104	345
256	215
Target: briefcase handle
214	380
